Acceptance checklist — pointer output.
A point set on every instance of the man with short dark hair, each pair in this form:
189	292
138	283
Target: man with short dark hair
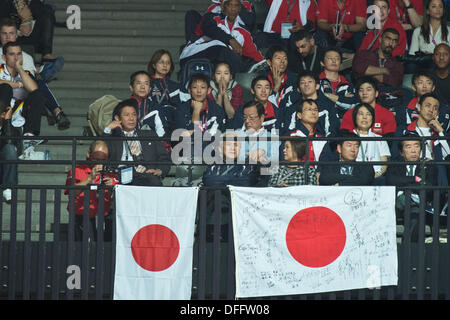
384	122
306	55
308	88
346	173
150	114
427	125
282	80
9	148
307	125
441	59
422	82
379	64
124	124
9	33
224	37
24	89
372	38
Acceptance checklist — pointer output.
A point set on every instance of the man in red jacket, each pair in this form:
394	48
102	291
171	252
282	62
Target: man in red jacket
372	39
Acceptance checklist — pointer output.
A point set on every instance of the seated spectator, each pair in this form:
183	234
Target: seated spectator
257	151
200	111
193	19
35	21
346	173
24	88
372	38
422	82
307	125
293	174
334	85
342	24
228	172
408	12
163	90
306	55
308	88
92	174
8	33
223	37
9	149
432	32
427	125
282	80
125	124
441	59
261	89
225	90
384	121
410	175
150	114
380	64
283	19
363	117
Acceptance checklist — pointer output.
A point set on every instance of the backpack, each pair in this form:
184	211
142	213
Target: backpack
100	113
194	66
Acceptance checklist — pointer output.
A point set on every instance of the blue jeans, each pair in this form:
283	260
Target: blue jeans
9	170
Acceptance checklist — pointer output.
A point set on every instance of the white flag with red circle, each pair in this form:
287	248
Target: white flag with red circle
313	239
155	236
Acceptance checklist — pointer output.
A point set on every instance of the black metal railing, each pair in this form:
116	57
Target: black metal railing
40	257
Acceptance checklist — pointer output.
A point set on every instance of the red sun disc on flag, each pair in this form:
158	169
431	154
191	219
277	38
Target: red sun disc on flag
315	236
155	247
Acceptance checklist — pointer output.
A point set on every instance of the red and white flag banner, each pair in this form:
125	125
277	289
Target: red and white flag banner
155	236
313	239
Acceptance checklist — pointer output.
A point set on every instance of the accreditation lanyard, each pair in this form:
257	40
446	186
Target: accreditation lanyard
312	61
290	6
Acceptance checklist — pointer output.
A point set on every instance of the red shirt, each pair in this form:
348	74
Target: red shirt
81	173
327	10
294	14
390	23
383	123
400	13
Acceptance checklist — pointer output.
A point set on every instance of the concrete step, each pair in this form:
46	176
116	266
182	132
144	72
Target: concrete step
77	123
111	58
109	24
148	6
63	151
153	29
90	93
146	48
107	2
92	67
94	41
33	178
155	15
98	84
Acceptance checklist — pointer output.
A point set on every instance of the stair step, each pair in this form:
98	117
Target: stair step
121	15
145	49
151	30
94	41
90	93
102	24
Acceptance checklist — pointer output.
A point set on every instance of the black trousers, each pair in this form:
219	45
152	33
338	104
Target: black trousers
42	36
33	109
92	228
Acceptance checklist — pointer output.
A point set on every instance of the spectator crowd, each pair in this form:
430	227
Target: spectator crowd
318	68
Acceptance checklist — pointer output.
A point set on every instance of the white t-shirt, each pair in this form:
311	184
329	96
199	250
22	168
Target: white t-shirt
372	150
28	62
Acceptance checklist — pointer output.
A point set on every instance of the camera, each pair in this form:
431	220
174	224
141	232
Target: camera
107	172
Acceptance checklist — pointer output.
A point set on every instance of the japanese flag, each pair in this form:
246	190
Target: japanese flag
155	235
312	239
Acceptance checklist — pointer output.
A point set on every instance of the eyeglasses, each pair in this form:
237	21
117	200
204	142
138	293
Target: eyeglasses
311	109
250	118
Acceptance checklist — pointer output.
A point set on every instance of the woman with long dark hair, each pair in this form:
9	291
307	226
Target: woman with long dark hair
434	29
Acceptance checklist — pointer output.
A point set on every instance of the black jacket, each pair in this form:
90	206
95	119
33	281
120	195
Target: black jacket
152	151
